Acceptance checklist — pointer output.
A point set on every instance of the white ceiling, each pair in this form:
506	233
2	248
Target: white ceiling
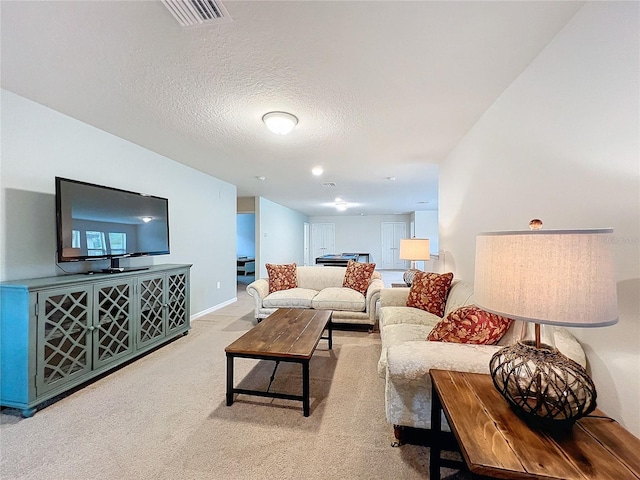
382	89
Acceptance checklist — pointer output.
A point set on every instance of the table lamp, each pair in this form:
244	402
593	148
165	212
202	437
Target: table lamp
414	249
555	277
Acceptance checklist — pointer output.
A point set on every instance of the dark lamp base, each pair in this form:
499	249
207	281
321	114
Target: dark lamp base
542	385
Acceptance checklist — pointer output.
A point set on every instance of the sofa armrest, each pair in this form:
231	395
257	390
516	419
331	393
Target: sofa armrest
258	290
394	297
410	362
371	298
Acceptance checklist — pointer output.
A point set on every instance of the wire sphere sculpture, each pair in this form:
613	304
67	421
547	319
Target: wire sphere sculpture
542	385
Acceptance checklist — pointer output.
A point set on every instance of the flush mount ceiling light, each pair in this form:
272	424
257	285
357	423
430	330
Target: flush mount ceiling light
280	123
147	219
317	171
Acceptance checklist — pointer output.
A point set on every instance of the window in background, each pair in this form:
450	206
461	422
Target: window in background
96	243
117	243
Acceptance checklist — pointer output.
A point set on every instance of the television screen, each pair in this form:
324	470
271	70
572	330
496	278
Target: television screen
96	222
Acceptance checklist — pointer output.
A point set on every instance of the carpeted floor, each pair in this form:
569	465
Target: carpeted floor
164	417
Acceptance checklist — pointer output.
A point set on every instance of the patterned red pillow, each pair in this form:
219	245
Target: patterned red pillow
429	291
470	324
358	275
282	277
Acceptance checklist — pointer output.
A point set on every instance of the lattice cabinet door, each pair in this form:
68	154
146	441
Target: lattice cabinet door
177	295
113	307
64	336
151	310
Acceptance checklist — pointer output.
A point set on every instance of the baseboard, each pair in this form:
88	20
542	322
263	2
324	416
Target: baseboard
195	316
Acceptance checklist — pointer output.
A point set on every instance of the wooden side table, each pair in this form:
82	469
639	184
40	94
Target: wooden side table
495	442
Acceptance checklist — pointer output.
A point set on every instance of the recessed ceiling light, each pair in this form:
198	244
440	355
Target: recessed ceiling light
147	219
338	199
317	171
280	123
391	178
262	178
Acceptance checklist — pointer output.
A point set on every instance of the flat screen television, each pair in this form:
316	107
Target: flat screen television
94	222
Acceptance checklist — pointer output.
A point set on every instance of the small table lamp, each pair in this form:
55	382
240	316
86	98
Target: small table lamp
555	277
414	249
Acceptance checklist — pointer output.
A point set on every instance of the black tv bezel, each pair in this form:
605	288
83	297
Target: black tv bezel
83	258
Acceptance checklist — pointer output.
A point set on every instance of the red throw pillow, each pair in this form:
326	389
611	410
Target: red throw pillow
429	291
282	277
358	275
470	324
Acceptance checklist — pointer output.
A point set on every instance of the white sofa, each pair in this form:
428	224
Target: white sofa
320	288
407	356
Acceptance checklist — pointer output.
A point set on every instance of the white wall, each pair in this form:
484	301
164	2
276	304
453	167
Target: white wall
39	144
359	233
426	226
562	144
279	235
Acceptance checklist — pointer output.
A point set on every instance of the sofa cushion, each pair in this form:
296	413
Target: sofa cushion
318	277
339	298
358	276
513	334
281	277
470	324
429	292
460	295
408	315
290	298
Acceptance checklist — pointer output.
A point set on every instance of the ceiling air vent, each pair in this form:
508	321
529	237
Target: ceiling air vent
329	184
197	12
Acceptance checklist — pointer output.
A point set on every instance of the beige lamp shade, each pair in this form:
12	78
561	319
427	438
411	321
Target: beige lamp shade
414	249
558	277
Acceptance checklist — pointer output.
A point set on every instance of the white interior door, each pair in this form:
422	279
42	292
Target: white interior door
323	240
307	261
387	246
392	232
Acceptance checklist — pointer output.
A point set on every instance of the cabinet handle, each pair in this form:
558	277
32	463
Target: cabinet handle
92	328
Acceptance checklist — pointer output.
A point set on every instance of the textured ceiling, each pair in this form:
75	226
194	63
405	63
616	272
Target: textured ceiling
381	89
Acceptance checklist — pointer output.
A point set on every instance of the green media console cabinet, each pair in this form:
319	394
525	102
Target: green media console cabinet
59	332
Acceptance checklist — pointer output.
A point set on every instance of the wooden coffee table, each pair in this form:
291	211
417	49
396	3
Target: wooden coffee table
495	442
287	335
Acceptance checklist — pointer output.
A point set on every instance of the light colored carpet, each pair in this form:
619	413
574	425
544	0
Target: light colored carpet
164	417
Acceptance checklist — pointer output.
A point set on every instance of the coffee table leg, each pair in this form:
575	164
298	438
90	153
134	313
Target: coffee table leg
305	388
330	334
434	453
229	380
